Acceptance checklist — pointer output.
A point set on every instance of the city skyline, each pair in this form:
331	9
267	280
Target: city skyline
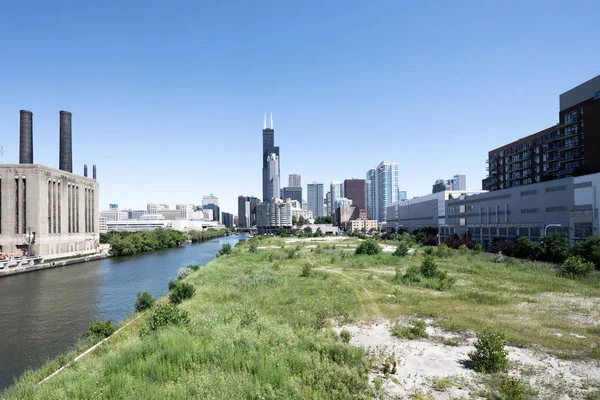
192	100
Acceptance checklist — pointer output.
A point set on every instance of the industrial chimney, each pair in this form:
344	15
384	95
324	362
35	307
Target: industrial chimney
66	144
85	170
94	171
26	138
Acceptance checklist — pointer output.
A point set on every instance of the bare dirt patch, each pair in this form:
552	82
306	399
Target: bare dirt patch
423	364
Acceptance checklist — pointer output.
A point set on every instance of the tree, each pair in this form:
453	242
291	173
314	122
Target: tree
294	220
525	248
280	231
369	247
589	249
307	231
301	220
555	247
328	219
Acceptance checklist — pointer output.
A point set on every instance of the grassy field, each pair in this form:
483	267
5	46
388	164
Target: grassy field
261	324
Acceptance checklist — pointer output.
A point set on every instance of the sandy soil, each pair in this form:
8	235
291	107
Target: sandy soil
422	363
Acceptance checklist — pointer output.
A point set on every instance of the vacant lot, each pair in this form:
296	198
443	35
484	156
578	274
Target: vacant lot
271	321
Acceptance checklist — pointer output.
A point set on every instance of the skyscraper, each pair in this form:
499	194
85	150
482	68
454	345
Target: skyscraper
247	211
293	193
355	190
336	191
386	188
315	198
270	160
210	199
295	180
370	195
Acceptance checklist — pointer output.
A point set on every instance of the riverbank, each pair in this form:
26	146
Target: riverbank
314	320
52	264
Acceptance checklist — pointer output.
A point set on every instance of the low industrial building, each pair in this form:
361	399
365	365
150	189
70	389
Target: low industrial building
358	225
47	211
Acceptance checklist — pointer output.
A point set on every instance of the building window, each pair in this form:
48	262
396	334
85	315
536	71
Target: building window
462	222
596	97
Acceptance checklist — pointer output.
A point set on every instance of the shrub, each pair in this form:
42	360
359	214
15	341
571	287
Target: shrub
401	249
101	329
172	285
555	247
489	355
167	315
183	273
181	291
306	270
195	267
443	250
293	252
415	330
412	274
507	247
478	247
444	281
144	301
224	250
345	336
589	249
526	249
463	249
369	247
515	389
428	267
576	266
253	246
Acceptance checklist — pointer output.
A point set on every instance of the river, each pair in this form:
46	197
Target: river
43	313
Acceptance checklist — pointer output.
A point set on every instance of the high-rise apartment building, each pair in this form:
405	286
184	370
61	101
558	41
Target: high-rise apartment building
457	182
227	219
295	180
555	152
315	198
356	190
386	188
270	159
210	199
336	190
370	194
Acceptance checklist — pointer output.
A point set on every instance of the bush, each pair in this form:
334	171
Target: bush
345	336
463	249
444	281
507	247
195	267
526	249
101	329
181	291
555	247
224	250
144	301
428	267
293	252
415	330
306	270
167	315
369	247
589	249
401	249
576	266
515	389
443	250
412	274
172	285
183	273
489	355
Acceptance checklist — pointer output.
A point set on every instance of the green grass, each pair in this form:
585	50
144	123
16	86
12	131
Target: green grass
261	328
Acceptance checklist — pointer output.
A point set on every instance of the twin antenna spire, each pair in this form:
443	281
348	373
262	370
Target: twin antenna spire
265	121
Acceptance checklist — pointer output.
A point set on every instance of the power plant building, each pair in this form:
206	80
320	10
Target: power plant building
47	211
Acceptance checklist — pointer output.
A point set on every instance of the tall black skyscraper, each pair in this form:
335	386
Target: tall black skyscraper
270	159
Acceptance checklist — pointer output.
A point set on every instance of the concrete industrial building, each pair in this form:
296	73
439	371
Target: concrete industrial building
420	212
555	152
46	211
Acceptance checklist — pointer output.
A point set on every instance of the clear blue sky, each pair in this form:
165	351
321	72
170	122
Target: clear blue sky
168	97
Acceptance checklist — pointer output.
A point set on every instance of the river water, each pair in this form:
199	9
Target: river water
43	313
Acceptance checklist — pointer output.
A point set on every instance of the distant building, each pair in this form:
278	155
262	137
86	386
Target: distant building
295	180
315	198
270	161
457	182
210	199
344	213
293	193
113	206
371	195
401	195
247	211
187	210
337	191
328	206
208	214
277	213
356	190
227	219
361	224
114	215
215	209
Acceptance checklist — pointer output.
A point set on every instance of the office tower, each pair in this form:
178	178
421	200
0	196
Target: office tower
328	208
270	161
295	180
315	198
247	211
356	190
401	195
294	193
386	188
555	152
216	211
227	219
210	199
370	194
336	193
457	182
